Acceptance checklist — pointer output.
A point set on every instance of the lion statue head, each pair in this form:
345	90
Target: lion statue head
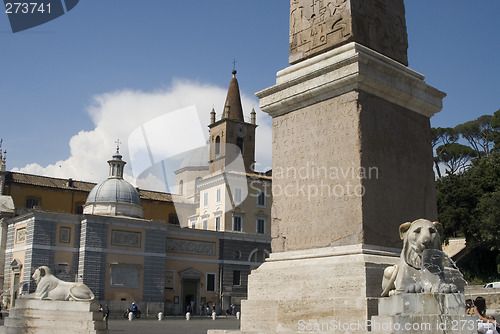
418	236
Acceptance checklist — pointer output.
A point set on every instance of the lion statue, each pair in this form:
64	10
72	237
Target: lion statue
418	236
50	287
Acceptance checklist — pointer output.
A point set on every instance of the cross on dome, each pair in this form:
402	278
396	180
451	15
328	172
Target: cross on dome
118	142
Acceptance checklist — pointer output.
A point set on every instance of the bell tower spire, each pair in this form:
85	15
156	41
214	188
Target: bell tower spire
231	135
232	108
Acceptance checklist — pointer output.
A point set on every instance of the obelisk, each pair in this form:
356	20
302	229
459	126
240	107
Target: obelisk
352	160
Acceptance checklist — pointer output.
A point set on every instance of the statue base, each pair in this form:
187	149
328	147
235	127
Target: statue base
54	317
432	313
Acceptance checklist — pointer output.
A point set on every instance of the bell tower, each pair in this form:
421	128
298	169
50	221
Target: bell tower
231	135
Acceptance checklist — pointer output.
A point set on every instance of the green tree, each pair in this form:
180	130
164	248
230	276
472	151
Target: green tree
455	156
439	137
495	125
478	134
469	206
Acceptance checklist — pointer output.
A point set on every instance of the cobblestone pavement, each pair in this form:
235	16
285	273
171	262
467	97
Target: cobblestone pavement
171	325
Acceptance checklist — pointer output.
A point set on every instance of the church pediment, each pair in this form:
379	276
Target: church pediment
16	265
191	273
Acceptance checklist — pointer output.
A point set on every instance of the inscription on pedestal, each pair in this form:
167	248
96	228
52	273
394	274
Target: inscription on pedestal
317	178
320	25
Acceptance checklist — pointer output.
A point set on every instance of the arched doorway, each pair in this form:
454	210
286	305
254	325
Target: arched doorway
190	290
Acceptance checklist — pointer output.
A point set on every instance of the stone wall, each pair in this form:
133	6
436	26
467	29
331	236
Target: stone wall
154	266
235	253
92	261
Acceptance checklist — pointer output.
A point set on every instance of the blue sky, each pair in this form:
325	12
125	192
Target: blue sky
70	87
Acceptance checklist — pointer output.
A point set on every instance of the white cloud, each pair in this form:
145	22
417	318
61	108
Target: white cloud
117	114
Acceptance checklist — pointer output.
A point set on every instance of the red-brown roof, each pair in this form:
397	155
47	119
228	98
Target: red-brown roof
67	184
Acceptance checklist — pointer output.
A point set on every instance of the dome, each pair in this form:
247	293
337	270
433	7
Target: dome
197	158
114	196
114	190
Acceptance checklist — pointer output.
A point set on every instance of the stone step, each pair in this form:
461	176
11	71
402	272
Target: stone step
64	315
54	317
31	330
75	325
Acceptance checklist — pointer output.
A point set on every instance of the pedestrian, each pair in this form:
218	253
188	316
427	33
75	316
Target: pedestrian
486	325
106	313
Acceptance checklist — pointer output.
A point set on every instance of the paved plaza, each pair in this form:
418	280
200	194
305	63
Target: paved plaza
169	325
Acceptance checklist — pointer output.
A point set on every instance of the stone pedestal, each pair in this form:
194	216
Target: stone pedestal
352	160
54	317
432	313
328	286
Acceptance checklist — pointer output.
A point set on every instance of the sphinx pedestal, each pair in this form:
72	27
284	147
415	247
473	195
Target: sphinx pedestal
327	289
54	317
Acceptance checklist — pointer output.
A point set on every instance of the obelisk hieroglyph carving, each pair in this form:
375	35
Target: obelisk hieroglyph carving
317	26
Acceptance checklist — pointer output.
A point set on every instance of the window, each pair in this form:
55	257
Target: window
261	225
237	196
217	195
205	224
261	198
259	256
237	255
79	209
173	219
217	223
239	143
217	145
237	223
181	187
192	223
210	282
236	277
32	202
205	199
